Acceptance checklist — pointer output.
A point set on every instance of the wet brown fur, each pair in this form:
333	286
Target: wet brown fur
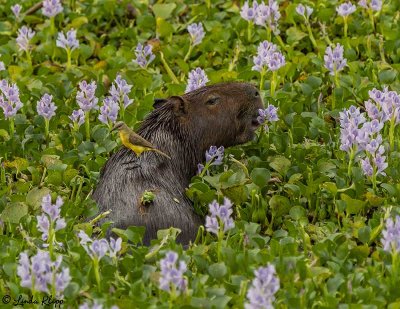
183	127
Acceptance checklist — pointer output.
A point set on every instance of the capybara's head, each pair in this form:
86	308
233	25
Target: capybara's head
222	114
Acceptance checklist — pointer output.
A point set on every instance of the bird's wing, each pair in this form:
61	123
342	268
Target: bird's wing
136	139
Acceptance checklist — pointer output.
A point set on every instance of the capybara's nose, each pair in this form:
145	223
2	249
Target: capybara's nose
253	92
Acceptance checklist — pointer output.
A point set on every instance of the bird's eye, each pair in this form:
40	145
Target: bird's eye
212	101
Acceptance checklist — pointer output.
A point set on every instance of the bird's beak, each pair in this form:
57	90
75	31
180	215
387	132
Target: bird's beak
114	128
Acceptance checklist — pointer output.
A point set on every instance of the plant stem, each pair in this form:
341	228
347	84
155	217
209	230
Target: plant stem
273	82
168	69
68	58
268	34
249	31
87	125
96	272
51	240
52	26
188	52
12	128
220	238
345	26
310	34
280	41
391	132
46	129
371	18
373	179
351	159
28	57
262	78
381	49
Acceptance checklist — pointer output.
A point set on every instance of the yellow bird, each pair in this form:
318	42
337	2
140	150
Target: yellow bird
134	141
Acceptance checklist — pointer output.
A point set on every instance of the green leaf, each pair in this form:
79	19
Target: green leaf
14	212
163	10
353	206
217	270
260	176
77	22
279	205
35	196
280	164
387	76
4	134
297	212
364	234
294	35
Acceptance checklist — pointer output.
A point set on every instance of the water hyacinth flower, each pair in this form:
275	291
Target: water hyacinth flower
334	60
374	5
115	246
96	249
249	12
268	58
50	218
109	110
69	41
25	34
375	153
352	136
85	97
171	275
51	8
391	235
46	107
270	114
197	79
77	117
268	15
215	155
16	9
9	99
385	107
276	61
37	273
304	10
261	293
87	101
144	55
219	220
356	135
345	9
196	32
2	66
119	91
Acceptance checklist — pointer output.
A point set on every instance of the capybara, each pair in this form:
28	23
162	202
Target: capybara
183	127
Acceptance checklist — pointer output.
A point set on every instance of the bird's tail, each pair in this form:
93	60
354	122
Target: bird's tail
160	152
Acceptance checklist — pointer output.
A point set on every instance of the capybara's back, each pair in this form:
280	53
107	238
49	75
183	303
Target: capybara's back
183	127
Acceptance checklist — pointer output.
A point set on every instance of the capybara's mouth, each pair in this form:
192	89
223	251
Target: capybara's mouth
254	121
255	124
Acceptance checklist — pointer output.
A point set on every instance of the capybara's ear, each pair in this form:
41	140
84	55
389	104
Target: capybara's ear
159	102
180	105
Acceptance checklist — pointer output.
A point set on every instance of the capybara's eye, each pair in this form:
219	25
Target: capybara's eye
212	101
